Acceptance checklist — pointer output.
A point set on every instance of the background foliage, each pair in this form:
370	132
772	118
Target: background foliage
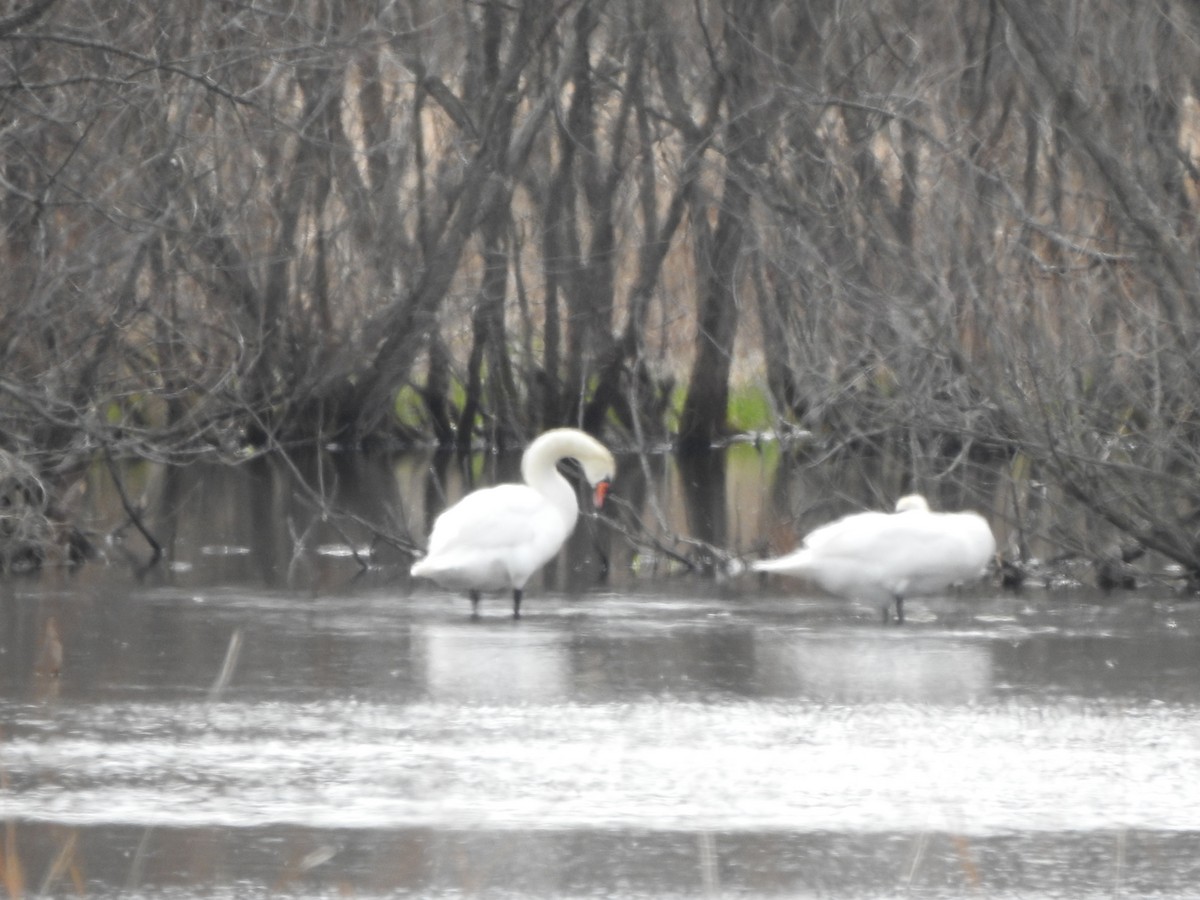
954	231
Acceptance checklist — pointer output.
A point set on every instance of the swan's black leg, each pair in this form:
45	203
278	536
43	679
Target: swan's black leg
516	603
899	610
474	595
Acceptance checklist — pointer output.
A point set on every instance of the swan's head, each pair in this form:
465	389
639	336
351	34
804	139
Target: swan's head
593	457
912	502
599	467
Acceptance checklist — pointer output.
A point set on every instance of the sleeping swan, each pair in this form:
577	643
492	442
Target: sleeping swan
494	539
884	557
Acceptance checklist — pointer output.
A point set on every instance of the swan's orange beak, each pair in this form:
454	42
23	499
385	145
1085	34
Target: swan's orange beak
600	493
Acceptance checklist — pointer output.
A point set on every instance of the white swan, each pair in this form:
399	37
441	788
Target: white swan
494	539
885	557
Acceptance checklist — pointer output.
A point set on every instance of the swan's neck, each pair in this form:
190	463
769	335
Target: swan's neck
539	469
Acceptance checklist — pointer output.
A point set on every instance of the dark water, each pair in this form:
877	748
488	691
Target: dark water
262	721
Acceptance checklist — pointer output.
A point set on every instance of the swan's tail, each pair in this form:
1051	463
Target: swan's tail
792	564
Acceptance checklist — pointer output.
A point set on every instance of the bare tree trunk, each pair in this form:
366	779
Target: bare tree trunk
437	391
614	372
1041	34
548	377
719	254
482	191
489	343
488	332
702	421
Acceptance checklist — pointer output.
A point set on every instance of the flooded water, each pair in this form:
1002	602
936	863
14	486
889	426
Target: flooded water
247	725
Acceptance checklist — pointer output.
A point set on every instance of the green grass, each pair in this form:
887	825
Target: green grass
410	407
749	408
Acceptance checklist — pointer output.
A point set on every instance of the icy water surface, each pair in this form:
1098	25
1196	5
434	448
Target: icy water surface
676	740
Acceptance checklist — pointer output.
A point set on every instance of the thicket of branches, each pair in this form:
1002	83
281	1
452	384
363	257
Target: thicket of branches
953	228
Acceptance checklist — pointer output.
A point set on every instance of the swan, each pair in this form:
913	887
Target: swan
884	557
495	538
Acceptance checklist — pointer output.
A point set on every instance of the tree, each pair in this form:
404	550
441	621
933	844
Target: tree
965	232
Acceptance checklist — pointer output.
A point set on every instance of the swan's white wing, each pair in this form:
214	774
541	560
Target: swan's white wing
850	535
845	537
940	549
493	517
905	554
493	539
877	555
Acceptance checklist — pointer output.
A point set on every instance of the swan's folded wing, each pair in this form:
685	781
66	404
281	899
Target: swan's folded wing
959	546
849	536
905	542
921	552
491	520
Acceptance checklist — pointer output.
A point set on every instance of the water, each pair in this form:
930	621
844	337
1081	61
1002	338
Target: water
221	733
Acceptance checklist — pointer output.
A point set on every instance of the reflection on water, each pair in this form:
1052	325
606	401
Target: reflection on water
669	729
475	663
253	524
279	861
637	739
856	668
799	763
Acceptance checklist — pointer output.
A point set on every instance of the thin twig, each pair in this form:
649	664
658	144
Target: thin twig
132	511
232	652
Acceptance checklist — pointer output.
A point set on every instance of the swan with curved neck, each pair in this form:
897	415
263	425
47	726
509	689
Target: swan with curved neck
884	557
494	539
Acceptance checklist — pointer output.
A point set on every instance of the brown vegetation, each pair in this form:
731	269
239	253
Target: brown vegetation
947	228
